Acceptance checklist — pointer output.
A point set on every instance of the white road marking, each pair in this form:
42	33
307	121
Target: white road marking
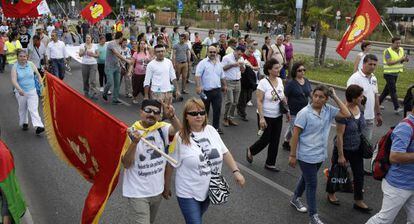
125	103
266	180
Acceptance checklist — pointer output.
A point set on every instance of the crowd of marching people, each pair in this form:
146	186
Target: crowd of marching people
226	69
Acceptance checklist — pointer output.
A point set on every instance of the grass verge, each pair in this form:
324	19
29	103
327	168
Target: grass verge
337	72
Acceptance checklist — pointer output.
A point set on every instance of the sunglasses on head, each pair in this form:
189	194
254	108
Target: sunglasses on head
196	113
149	110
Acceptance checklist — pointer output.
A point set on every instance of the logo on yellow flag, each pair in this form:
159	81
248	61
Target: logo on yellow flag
359	28
96	10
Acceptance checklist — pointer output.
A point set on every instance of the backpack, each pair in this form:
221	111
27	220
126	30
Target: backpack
381	164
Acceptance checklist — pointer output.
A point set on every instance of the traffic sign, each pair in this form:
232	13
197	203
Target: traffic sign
180	6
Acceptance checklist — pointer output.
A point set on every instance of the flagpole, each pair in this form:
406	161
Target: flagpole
384	24
61	8
169	158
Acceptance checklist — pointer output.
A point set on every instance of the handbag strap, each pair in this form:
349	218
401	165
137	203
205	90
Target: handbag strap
274	89
206	157
284	60
301	89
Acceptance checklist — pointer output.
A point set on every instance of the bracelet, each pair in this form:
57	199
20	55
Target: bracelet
294	156
236	170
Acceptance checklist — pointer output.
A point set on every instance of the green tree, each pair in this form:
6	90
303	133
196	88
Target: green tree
236	7
320	17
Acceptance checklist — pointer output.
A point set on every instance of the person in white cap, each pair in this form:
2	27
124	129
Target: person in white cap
235	32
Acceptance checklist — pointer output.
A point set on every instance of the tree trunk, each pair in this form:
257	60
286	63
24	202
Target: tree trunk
323	49
317	45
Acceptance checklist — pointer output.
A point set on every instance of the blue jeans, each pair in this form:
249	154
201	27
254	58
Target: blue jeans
308	181
193	210
214	98
58	68
113	78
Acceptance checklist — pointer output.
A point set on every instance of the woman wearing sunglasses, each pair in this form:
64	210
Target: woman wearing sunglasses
196	145
298	91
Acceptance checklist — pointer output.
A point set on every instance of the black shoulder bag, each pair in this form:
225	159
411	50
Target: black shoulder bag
284	108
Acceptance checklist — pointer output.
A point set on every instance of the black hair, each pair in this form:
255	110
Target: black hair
395	39
269	65
295	68
163	29
118	35
371	57
365	44
324	89
174	29
352	92
159	46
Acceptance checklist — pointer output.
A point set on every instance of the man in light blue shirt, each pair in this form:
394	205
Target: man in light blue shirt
210	82
398	185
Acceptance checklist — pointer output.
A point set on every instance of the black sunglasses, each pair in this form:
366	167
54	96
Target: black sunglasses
301	70
212	52
196	113
149	110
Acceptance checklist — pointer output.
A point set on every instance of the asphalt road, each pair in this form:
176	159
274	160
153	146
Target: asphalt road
55	192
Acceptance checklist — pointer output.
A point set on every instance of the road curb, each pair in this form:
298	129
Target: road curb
400	100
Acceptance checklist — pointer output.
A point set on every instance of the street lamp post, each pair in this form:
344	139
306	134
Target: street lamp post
299	5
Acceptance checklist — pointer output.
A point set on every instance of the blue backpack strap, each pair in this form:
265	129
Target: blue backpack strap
163	140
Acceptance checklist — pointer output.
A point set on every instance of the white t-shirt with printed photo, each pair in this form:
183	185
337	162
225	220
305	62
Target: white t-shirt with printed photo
86	59
271	102
193	174
146	176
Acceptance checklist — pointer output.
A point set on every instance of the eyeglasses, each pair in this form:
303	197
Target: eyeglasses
210	33
196	113
301	70
149	110
159	51
212	52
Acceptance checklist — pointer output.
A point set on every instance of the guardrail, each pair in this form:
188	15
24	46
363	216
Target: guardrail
406	47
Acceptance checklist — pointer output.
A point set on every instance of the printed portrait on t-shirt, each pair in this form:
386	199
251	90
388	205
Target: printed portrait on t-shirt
212	153
149	153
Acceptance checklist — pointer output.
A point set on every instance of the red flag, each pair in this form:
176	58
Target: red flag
86	137
365	21
96	11
119	25
24	8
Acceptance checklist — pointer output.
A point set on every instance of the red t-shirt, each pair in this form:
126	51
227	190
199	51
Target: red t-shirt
251	59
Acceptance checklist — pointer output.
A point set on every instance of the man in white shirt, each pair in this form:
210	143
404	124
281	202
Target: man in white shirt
56	53
4	27
159	75
37	53
367	80
233	66
143	181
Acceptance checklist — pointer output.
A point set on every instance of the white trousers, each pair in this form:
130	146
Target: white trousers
394	199
28	104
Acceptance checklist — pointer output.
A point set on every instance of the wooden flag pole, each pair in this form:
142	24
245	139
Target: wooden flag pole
384	24
169	158
61	8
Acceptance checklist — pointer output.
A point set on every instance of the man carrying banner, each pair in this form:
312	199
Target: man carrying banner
144	167
393	58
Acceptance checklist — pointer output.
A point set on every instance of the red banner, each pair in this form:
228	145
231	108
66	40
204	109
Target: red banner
21	9
6	161
365	21
88	138
96	11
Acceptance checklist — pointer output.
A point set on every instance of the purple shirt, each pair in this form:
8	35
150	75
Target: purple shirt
288	51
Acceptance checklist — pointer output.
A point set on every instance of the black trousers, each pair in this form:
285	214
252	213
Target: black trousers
245	96
271	137
357	166
214	97
102	75
391	89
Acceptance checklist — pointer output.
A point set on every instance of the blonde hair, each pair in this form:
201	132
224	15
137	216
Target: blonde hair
186	129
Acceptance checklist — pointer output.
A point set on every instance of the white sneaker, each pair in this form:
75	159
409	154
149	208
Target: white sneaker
250	104
101	89
382	107
109	92
297	203
315	219
398	111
